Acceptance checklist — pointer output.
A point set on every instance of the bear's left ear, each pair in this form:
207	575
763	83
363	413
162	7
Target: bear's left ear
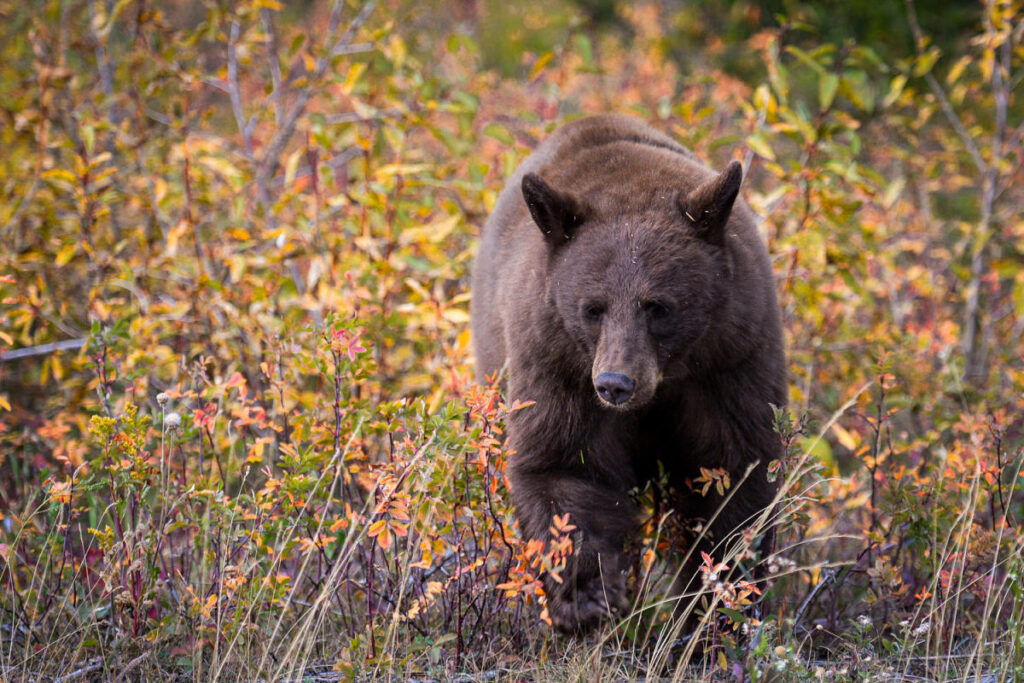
556	213
707	207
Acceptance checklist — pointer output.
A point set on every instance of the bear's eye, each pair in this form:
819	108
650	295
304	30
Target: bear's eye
593	310
657	310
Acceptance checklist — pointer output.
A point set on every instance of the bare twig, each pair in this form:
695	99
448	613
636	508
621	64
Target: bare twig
132	665
280	139
275	64
353	49
353	117
234	91
42	349
93	665
990	176
940	94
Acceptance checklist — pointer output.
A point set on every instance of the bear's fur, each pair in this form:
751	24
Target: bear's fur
625	290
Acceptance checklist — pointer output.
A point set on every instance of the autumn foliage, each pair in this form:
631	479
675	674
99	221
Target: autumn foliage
238	432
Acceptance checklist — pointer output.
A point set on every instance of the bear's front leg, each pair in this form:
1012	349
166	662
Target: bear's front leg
593	584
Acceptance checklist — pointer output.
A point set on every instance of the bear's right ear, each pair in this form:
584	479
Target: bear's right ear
557	214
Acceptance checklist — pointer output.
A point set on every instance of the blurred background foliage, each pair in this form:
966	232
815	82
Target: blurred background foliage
239	435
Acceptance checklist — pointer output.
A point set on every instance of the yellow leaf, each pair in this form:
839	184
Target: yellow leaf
434	232
174	235
4	403
66	253
390	170
221	166
396	50
456	315
958	69
539	65
61	177
845	438
291	166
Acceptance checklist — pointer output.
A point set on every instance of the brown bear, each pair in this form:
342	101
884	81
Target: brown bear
626	292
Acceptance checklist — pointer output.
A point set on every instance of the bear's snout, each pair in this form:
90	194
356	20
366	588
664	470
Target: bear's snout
614	387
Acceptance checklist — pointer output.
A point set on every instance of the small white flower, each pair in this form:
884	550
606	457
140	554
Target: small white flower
172	422
864	621
162	398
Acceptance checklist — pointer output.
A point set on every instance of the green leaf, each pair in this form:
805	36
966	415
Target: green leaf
806	59
828	84
855	86
498	132
585	49
760	146
779	78
1018	294
736	616
896	87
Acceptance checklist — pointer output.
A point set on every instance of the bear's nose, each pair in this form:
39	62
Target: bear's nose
614	387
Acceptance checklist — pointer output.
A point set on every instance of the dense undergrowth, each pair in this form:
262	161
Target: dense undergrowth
239	436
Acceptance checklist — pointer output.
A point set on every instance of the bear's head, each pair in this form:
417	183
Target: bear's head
636	288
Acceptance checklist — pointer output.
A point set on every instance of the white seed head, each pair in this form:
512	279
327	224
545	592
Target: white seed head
162	398
172	422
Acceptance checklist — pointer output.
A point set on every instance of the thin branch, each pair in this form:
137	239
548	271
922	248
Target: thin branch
990	180
26	201
234	91
93	665
275	64
102	61
132	665
353	49
940	94
285	132
356	24
353	117
42	349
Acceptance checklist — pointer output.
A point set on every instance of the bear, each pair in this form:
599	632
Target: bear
622	291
